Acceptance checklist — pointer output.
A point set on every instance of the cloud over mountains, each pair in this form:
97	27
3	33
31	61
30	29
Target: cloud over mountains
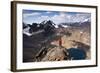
30	16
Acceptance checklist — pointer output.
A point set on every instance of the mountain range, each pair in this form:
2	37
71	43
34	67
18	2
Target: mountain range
49	26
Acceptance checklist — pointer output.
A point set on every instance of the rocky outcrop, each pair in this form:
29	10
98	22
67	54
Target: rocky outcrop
55	54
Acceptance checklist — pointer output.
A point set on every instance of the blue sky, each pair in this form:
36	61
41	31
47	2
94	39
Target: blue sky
36	16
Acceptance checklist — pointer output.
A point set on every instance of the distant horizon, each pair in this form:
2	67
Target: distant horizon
37	16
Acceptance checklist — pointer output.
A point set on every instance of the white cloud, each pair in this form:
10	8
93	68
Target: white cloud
31	14
62	17
41	18
81	17
48	12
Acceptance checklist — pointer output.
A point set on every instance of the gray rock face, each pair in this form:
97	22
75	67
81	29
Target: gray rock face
55	54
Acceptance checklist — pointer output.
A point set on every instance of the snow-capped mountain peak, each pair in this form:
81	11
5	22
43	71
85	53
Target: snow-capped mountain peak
86	20
26	31
46	22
